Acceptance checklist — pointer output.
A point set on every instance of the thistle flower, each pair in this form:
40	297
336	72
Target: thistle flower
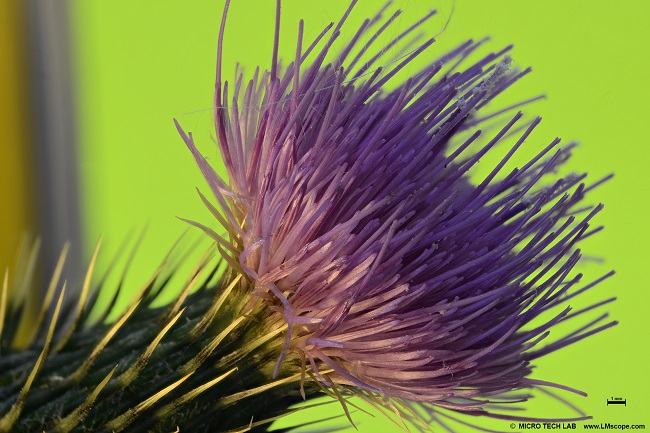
354	228
351	213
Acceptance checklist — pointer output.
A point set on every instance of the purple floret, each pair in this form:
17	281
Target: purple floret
351	211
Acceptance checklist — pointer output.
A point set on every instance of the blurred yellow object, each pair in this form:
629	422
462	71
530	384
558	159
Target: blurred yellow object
17	193
17	201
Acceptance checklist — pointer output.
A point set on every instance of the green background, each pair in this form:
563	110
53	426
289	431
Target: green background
141	63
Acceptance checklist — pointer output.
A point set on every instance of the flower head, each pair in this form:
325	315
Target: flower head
351	212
